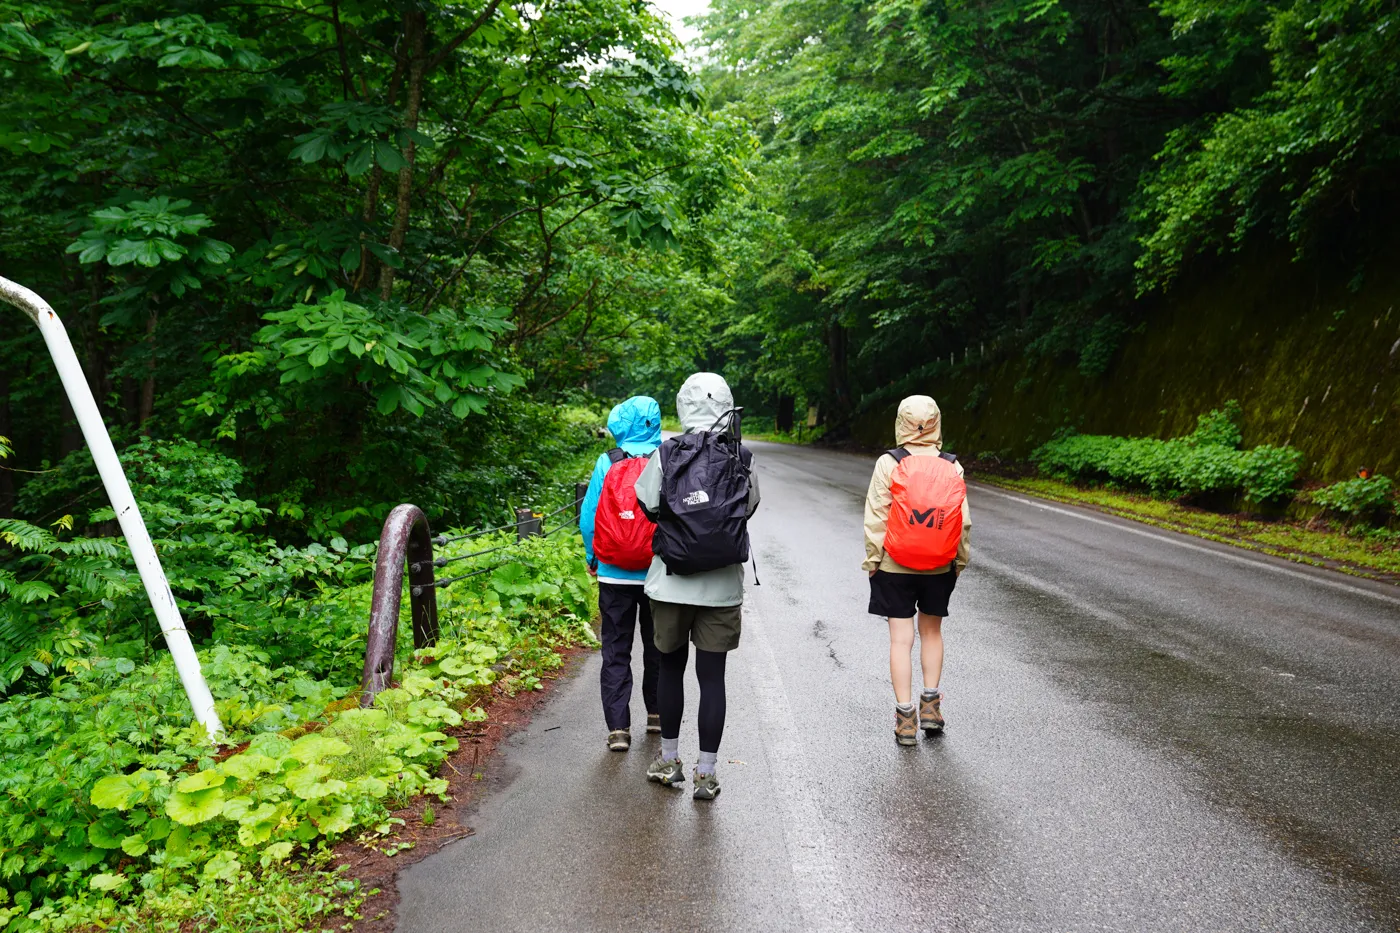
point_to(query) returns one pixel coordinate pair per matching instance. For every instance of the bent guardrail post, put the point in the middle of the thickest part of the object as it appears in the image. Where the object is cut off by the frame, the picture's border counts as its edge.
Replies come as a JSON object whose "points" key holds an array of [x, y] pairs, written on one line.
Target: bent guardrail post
{"points": [[405, 539], [70, 373]]}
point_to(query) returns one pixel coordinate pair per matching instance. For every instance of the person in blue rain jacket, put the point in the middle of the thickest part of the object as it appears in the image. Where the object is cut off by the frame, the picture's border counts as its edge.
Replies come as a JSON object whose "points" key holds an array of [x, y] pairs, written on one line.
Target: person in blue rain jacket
{"points": [[636, 426]]}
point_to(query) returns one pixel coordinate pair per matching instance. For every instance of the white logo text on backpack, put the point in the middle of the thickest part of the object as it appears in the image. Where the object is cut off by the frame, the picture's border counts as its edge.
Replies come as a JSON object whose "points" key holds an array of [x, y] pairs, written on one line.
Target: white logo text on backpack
{"points": [[627, 515], [698, 497]]}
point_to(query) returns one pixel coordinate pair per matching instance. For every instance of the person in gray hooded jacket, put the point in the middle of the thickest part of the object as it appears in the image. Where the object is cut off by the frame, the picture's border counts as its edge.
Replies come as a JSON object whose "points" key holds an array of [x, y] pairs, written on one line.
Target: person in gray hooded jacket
{"points": [[703, 608]]}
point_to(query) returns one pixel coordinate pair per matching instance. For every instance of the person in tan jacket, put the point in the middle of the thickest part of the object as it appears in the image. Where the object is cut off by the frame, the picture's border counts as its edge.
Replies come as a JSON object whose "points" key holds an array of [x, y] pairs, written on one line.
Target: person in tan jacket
{"points": [[896, 592]]}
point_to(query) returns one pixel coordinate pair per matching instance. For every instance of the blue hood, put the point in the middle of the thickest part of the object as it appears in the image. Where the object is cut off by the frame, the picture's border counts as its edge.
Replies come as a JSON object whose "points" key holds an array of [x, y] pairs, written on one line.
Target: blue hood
{"points": [[636, 425]]}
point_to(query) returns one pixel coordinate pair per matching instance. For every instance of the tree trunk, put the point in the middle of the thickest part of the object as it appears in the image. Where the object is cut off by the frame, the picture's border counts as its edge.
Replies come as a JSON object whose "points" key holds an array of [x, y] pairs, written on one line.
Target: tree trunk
{"points": [[416, 23], [148, 385], [836, 369], [7, 479], [376, 179], [786, 412]]}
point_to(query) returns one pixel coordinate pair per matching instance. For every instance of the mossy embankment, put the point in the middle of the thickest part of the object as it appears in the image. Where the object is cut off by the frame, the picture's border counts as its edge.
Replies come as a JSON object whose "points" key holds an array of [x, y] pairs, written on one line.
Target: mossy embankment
{"points": [[1313, 360]]}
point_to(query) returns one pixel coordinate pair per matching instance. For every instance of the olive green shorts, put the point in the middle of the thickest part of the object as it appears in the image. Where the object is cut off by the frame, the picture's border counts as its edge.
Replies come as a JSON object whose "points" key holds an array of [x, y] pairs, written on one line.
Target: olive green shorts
{"points": [[711, 628]]}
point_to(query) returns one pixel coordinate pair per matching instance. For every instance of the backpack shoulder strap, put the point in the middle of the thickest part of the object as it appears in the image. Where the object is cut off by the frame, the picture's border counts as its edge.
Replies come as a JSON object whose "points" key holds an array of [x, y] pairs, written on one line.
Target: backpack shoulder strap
{"points": [[617, 455], [951, 458], [899, 453]]}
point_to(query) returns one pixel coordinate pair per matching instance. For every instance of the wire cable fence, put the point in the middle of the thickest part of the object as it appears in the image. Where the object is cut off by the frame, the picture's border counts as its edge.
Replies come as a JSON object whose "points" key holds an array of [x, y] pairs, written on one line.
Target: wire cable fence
{"points": [[528, 525], [443, 561], [440, 540]]}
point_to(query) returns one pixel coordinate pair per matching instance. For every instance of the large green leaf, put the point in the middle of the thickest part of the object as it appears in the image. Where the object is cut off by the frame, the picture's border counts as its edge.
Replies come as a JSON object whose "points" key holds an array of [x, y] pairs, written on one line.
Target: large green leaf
{"points": [[202, 780], [190, 809]]}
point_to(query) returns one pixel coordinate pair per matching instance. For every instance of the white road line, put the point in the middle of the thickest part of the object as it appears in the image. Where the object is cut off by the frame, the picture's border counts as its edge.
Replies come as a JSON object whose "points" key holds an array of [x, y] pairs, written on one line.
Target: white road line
{"points": [[820, 891], [1170, 538]]}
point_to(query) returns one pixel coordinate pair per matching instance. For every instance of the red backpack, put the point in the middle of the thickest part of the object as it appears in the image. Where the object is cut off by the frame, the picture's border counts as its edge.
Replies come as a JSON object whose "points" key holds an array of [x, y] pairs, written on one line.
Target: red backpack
{"points": [[926, 499], [621, 533]]}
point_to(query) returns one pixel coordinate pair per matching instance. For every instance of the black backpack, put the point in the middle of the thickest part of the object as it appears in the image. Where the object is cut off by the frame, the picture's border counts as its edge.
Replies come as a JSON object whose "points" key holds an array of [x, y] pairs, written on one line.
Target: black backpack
{"points": [[701, 520]]}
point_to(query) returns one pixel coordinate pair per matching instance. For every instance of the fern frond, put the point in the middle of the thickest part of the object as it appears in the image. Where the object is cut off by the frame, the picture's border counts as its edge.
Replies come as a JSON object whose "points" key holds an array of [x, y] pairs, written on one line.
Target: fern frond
{"points": [[26, 537]]}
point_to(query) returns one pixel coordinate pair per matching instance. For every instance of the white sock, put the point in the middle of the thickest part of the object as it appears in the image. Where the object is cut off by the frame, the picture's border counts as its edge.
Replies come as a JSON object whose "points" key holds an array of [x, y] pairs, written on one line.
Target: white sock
{"points": [[707, 763], [670, 748]]}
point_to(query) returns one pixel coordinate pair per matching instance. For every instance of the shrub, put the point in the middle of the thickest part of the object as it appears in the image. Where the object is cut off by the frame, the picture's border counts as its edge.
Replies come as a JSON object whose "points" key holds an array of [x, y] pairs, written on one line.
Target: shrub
{"points": [[1204, 461], [113, 796], [1358, 498], [1268, 472], [1219, 426]]}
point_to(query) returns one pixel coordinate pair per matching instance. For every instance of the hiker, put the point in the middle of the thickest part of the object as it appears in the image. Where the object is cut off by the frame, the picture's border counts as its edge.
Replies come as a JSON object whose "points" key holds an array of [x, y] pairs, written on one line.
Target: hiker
{"points": [[917, 527], [617, 542], [700, 489]]}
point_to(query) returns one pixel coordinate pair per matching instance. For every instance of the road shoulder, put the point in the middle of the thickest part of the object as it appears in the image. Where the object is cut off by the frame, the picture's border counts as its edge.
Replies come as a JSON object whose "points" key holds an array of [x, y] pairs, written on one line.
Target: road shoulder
{"points": [[1290, 542]]}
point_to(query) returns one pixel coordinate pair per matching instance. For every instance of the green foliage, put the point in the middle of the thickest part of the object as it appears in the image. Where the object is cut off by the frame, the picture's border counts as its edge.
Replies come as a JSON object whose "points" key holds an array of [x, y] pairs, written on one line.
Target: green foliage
{"points": [[1360, 498], [133, 810], [255, 242], [1319, 131], [1205, 461], [939, 177], [401, 358], [146, 233], [231, 581], [1219, 427], [279, 898], [109, 734]]}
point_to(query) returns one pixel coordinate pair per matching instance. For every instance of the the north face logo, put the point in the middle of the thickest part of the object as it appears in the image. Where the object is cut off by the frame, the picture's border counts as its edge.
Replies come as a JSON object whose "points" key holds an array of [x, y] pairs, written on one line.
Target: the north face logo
{"points": [[628, 515], [698, 497]]}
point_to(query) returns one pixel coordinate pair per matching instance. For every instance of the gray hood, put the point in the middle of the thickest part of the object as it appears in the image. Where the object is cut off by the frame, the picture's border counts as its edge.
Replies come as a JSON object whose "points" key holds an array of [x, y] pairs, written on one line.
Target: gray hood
{"points": [[702, 401]]}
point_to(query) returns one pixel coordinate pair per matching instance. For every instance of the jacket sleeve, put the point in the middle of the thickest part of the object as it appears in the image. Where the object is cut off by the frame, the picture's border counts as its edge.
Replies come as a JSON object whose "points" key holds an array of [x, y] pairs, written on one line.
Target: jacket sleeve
{"points": [[965, 542], [648, 485], [877, 512], [587, 518]]}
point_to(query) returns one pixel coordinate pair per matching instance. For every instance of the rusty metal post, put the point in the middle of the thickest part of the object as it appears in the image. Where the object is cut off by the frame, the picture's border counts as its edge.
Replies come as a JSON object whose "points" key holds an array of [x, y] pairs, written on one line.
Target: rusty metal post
{"points": [[528, 523], [580, 490], [406, 538]]}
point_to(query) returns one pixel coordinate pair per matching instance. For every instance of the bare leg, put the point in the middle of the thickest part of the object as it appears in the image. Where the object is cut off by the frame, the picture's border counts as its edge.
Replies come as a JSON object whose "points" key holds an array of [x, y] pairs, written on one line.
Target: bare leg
{"points": [[901, 660], [930, 649]]}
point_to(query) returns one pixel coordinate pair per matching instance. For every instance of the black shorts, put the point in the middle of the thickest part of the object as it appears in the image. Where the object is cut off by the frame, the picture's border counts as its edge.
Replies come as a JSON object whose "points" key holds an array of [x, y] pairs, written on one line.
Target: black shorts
{"points": [[896, 595]]}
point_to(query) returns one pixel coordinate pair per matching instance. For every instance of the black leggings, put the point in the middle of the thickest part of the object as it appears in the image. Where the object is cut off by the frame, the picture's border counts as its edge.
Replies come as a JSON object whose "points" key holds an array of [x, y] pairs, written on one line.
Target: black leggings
{"points": [[670, 694]]}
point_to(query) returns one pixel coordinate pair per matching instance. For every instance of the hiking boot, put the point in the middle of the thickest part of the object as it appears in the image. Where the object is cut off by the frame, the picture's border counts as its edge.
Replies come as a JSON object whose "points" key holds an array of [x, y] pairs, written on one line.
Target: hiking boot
{"points": [[668, 772], [906, 727], [619, 740], [653, 722], [930, 713], [706, 786]]}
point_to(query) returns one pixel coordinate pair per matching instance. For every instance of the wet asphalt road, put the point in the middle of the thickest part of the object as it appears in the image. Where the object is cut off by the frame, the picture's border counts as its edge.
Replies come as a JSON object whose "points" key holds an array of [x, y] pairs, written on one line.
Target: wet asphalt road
{"points": [[1146, 733]]}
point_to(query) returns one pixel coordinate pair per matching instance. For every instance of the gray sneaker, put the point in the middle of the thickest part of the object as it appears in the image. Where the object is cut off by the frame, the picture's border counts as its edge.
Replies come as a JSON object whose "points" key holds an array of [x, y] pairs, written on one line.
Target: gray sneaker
{"points": [[666, 772], [619, 740], [653, 722], [706, 786]]}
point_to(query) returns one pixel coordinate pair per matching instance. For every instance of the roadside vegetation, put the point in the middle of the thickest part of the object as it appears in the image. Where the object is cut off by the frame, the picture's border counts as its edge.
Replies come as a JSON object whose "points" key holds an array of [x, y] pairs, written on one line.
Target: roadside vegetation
{"points": [[118, 811], [1204, 485]]}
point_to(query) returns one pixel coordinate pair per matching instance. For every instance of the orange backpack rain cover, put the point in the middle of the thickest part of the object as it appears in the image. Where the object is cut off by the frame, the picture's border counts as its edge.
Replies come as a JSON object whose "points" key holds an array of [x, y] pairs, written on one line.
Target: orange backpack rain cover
{"points": [[925, 522]]}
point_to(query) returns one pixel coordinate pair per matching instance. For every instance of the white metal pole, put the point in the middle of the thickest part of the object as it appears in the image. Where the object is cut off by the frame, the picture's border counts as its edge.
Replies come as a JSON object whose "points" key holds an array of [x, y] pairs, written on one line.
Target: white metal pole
{"points": [[128, 514]]}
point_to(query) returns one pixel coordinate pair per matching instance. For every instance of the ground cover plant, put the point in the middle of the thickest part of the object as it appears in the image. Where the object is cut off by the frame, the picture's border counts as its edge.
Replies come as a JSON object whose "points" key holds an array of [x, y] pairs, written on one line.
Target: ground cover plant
{"points": [[1365, 499], [1208, 460], [115, 802], [114, 807], [1346, 525]]}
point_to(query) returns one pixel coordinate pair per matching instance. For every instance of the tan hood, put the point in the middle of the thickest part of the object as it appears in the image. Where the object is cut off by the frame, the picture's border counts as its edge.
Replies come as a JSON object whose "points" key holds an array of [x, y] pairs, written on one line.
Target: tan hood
{"points": [[919, 423]]}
